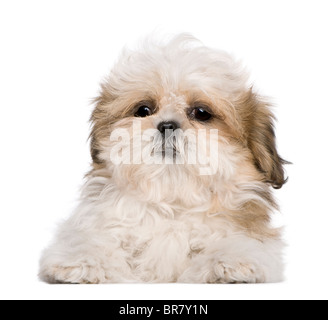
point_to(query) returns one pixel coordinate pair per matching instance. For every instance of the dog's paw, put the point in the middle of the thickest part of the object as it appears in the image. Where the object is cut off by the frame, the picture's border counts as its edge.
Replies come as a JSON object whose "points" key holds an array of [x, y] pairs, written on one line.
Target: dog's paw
{"points": [[75, 274], [224, 272], [235, 273]]}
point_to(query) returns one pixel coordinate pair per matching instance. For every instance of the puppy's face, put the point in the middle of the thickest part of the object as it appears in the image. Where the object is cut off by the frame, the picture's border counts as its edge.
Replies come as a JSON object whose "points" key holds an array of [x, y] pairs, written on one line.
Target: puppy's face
{"points": [[168, 111]]}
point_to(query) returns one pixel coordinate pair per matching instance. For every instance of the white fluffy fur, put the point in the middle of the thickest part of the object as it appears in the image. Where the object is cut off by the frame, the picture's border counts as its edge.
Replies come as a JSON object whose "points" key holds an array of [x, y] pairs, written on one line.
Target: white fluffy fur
{"points": [[160, 227]]}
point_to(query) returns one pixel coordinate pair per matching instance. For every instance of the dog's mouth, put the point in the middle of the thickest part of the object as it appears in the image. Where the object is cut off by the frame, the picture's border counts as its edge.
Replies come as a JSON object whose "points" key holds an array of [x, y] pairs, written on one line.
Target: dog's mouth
{"points": [[166, 151], [169, 151]]}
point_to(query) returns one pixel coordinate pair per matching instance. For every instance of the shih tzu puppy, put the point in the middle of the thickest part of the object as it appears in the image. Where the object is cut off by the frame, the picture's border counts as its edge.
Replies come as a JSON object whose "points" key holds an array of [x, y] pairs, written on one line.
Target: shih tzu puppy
{"points": [[184, 159]]}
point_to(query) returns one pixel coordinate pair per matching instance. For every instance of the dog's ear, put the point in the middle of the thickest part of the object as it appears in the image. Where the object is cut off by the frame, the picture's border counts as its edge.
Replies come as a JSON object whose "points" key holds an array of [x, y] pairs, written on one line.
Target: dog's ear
{"points": [[258, 124], [100, 120]]}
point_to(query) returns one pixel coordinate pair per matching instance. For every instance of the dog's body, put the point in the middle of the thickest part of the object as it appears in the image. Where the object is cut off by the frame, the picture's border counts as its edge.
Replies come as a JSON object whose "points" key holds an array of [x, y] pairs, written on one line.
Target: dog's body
{"points": [[157, 222]]}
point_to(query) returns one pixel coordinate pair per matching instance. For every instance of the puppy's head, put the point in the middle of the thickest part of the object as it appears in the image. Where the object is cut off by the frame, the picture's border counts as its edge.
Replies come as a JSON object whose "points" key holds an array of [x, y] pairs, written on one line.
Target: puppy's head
{"points": [[189, 106]]}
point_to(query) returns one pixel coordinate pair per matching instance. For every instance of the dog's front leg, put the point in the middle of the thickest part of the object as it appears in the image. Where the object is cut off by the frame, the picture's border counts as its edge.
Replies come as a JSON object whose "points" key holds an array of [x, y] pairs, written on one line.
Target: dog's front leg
{"points": [[85, 252], [237, 259]]}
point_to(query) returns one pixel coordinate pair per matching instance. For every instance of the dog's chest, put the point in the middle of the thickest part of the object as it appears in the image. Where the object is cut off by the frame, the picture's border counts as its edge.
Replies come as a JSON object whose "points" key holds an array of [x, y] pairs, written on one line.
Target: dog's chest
{"points": [[163, 249]]}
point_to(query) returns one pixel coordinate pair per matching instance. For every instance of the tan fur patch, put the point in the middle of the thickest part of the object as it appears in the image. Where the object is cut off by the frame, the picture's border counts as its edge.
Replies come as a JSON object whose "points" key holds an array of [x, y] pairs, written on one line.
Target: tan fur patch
{"points": [[258, 124]]}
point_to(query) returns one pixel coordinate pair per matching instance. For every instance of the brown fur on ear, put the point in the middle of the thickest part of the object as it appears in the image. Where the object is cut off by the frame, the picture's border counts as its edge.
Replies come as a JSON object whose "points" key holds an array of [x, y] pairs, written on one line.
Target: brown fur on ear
{"points": [[100, 120], [258, 125]]}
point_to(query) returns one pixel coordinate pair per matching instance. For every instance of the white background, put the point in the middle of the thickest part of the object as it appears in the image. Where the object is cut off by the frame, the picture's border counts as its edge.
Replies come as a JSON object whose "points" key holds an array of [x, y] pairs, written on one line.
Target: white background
{"points": [[53, 56]]}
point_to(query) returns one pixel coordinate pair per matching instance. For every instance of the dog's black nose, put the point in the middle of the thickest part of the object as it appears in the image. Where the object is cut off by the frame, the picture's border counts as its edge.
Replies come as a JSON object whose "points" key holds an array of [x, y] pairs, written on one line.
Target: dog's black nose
{"points": [[167, 125]]}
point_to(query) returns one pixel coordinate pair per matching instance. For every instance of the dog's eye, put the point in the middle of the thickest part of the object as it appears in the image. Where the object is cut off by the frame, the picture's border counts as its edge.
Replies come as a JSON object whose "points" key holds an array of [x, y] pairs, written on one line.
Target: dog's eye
{"points": [[201, 114], [144, 111]]}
